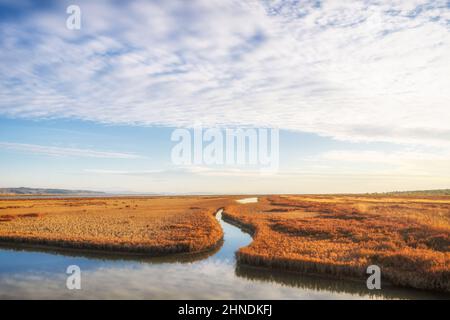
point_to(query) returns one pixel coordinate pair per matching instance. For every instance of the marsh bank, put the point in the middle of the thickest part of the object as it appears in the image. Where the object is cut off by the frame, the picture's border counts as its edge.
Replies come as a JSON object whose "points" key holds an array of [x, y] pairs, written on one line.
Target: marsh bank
{"points": [[31, 274]]}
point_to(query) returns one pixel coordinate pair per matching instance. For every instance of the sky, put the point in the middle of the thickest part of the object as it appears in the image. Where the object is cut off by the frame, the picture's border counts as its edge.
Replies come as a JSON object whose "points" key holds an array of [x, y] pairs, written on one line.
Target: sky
{"points": [[358, 90]]}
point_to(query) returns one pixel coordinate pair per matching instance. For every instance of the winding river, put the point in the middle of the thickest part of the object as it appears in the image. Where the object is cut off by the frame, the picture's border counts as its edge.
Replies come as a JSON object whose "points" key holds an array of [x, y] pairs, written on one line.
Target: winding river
{"points": [[35, 274]]}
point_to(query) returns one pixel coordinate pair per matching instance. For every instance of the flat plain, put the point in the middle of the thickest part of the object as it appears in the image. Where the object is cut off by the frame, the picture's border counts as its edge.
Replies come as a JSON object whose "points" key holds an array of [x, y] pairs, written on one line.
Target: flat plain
{"points": [[341, 235], [153, 225], [408, 236]]}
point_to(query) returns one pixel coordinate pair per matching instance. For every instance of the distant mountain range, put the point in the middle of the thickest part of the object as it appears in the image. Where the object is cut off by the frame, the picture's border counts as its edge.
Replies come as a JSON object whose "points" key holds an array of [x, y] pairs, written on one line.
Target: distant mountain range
{"points": [[43, 191], [38, 191]]}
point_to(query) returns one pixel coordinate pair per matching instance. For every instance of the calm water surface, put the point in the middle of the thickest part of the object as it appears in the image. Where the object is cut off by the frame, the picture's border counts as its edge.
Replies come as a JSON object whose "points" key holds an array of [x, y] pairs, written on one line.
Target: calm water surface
{"points": [[37, 274]]}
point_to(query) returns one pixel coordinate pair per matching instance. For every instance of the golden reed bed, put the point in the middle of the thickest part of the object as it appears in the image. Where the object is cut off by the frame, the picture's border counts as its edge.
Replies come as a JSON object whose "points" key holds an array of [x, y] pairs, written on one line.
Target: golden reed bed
{"points": [[409, 237], [153, 226]]}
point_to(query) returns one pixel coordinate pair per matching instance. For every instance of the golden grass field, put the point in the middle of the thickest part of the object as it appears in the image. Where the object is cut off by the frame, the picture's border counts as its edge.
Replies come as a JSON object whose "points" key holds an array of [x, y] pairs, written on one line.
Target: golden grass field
{"points": [[408, 237], [340, 235], [155, 226]]}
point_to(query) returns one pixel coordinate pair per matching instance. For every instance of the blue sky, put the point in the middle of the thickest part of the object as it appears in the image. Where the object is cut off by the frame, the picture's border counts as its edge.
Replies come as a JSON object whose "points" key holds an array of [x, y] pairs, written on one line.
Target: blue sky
{"points": [[358, 90]]}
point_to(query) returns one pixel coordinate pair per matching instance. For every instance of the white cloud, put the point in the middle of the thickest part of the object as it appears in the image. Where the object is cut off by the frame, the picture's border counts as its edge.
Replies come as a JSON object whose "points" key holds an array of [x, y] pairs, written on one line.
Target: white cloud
{"points": [[124, 172], [352, 70], [406, 163], [193, 169], [397, 157], [65, 152]]}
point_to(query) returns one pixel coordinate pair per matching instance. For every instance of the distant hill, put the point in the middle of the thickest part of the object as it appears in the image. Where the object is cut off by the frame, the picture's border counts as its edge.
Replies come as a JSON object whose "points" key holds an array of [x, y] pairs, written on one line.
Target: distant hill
{"points": [[38, 191], [438, 192]]}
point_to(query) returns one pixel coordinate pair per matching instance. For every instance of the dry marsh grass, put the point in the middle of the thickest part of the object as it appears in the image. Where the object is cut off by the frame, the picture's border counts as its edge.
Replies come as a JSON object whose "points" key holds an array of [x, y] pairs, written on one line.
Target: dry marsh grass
{"points": [[408, 237], [340, 235], [154, 226]]}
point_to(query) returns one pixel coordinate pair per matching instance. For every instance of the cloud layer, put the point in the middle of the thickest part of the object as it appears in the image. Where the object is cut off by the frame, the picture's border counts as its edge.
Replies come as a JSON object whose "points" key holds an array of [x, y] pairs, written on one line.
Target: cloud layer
{"points": [[351, 70], [65, 152]]}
